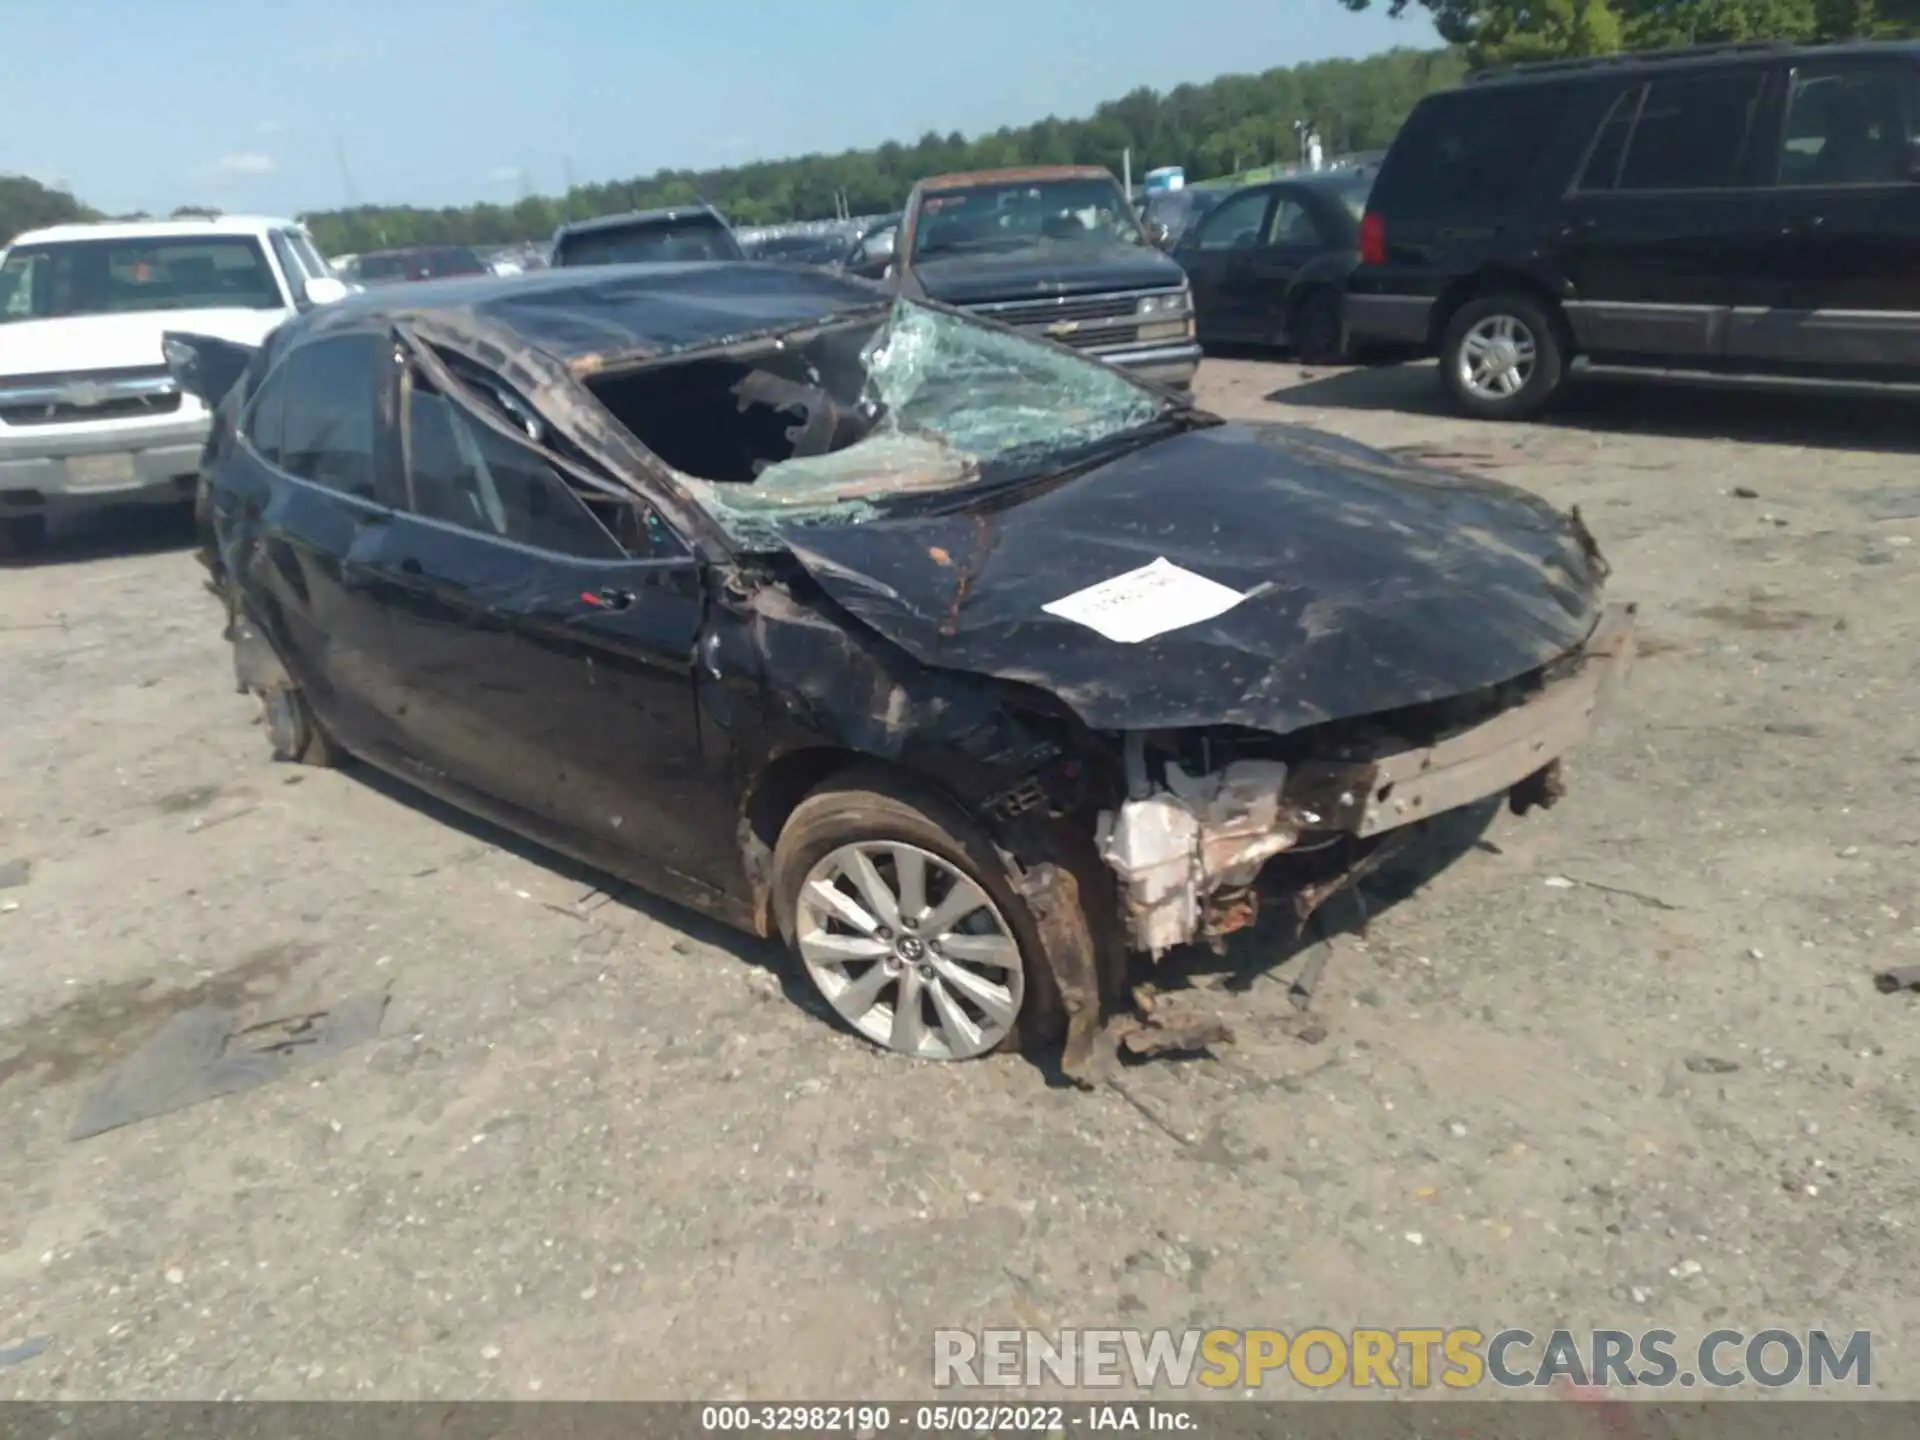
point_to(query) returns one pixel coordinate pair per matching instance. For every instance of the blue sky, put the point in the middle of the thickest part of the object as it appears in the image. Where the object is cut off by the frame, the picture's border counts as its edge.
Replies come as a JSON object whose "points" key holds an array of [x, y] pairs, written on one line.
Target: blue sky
{"points": [[138, 105]]}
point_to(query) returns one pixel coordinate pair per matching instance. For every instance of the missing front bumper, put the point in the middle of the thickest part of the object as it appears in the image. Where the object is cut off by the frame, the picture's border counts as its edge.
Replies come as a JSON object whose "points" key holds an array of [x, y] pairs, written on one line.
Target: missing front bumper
{"points": [[1187, 851]]}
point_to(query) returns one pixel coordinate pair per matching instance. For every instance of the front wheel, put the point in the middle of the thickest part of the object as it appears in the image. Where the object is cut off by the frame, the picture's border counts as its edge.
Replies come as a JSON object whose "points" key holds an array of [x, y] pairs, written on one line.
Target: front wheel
{"points": [[1502, 357], [909, 925]]}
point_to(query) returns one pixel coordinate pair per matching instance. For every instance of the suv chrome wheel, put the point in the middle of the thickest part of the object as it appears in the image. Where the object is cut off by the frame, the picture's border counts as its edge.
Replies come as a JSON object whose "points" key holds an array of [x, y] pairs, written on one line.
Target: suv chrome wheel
{"points": [[1496, 358], [911, 952]]}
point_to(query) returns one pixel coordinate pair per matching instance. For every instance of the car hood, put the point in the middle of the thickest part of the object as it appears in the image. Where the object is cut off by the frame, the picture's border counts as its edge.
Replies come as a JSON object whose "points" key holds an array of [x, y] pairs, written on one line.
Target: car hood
{"points": [[1043, 271], [119, 342], [1369, 583]]}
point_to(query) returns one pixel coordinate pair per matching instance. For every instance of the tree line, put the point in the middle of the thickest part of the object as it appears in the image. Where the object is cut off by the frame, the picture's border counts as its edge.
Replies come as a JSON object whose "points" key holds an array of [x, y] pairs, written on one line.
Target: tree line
{"points": [[1226, 125]]}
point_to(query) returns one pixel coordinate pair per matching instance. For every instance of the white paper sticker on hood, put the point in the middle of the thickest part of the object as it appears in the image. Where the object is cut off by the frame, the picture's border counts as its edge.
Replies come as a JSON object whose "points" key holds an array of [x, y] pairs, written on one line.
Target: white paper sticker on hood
{"points": [[1146, 602]]}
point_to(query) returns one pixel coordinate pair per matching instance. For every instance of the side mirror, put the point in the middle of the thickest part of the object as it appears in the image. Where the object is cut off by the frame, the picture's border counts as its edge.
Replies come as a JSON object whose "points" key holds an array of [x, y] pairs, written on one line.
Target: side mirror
{"points": [[324, 290], [878, 249], [1159, 233]]}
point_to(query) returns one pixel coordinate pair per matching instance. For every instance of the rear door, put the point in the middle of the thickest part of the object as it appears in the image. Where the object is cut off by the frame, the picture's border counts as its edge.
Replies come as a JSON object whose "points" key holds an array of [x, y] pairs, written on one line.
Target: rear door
{"points": [[308, 512], [1663, 234], [1845, 223], [550, 667], [1296, 234], [1218, 256]]}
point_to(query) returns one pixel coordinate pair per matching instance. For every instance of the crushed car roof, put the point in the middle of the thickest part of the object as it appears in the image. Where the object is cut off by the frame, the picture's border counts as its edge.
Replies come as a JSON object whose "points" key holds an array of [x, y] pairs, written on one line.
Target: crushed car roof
{"points": [[596, 315]]}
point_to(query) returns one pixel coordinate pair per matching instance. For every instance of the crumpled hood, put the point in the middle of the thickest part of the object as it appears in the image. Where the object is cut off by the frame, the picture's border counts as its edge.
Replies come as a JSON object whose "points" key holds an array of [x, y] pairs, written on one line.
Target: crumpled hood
{"points": [[119, 342], [1371, 583], [1044, 271]]}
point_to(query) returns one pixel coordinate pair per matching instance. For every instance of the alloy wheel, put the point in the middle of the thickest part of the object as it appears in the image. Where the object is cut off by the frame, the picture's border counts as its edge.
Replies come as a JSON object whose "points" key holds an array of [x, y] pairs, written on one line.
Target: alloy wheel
{"points": [[909, 950], [1497, 357]]}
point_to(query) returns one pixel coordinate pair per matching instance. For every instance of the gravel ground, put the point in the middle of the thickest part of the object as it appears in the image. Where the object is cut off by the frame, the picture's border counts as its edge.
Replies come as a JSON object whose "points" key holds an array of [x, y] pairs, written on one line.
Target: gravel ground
{"points": [[1620, 1064]]}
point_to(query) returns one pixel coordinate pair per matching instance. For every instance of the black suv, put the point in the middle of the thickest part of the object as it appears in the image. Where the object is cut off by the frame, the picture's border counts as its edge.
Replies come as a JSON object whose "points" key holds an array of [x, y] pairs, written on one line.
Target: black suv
{"points": [[686, 232], [1748, 210]]}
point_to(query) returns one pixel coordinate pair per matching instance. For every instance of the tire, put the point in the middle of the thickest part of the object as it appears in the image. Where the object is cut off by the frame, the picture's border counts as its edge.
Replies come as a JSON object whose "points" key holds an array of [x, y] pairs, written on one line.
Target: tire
{"points": [[295, 732], [1506, 317], [882, 811], [23, 535], [1317, 326]]}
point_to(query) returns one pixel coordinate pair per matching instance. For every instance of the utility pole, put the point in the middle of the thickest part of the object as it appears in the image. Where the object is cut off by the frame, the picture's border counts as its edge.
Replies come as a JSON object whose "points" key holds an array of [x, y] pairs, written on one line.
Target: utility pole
{"points": [[566, 201], [346, 175], [1126, 172]]}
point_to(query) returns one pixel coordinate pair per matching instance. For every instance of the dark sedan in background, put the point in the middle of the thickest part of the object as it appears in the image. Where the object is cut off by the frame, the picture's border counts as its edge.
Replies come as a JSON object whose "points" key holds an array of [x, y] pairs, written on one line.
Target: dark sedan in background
{"points": [[1269, 264], [416, 262]]}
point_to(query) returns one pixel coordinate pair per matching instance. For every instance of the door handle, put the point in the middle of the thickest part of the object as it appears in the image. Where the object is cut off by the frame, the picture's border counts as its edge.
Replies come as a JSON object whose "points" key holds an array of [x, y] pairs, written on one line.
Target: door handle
{"points": [[608, 599]]}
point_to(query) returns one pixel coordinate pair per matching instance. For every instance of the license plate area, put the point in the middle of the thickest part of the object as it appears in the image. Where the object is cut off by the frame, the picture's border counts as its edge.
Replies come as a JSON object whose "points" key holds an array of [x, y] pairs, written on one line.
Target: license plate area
{"points": [[114, 471]]}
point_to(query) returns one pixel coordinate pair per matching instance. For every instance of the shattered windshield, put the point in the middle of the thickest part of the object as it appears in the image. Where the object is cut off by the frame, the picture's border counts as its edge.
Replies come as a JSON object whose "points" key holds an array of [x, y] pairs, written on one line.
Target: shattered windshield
{"points": [[836, 425], [1088, 211]]}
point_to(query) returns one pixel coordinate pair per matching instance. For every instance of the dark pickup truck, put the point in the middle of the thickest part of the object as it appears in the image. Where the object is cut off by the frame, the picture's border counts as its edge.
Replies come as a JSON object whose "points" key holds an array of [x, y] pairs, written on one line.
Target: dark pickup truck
{"points": [[1057, 250], [684, 232]]}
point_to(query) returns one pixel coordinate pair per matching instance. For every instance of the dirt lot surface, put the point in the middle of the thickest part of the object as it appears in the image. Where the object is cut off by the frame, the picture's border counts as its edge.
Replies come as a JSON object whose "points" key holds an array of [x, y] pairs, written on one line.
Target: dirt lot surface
{"points": [[1619, 1064]]}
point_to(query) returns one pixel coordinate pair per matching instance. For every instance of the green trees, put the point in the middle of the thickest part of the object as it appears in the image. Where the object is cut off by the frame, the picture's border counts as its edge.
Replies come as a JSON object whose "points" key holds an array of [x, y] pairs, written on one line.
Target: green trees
{"points": [[1498, 32], [27, 205]]}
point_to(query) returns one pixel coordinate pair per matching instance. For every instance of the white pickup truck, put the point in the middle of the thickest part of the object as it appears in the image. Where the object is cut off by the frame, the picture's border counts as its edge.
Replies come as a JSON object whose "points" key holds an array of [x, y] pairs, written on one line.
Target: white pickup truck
{"points": [[89, 415]]}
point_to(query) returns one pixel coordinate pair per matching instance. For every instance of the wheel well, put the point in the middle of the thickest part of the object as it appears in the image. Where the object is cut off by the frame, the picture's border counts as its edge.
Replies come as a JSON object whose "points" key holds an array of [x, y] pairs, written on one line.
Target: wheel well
{"points": [[1492, 282], [786, 781]]}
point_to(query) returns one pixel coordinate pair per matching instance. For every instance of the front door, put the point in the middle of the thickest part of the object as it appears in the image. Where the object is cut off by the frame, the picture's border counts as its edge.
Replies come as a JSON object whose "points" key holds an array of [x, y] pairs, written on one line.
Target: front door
{"points": [[1218, 256], [550, 670], [1663, 235]]}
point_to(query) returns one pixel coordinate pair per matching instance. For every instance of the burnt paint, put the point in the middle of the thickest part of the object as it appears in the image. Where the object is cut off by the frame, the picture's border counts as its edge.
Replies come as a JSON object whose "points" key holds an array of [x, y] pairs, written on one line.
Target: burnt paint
{"points": [[1373, 583]]}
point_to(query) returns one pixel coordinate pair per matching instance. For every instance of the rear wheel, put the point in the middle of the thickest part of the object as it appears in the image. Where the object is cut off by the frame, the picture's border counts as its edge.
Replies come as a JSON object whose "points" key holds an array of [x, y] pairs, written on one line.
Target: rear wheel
{"points": [[909, 924], [23, 534], [1318, 327], [294, 731], [1502, 357]]}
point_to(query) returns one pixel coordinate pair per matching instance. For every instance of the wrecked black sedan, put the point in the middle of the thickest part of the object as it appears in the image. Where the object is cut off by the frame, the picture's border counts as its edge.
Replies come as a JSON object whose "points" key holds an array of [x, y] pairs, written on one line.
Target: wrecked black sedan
{"points": [[969, 666]]}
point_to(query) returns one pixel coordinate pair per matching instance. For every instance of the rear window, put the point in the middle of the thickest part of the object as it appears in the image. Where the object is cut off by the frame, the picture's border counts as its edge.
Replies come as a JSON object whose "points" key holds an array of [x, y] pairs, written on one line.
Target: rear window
{"points": [[1469, 148], [695, 237], [114, 277]]}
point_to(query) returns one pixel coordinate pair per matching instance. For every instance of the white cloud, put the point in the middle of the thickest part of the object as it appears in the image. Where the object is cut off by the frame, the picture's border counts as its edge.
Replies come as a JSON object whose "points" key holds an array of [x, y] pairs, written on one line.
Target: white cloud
{"points": [[249, 162], [501, 174]]}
